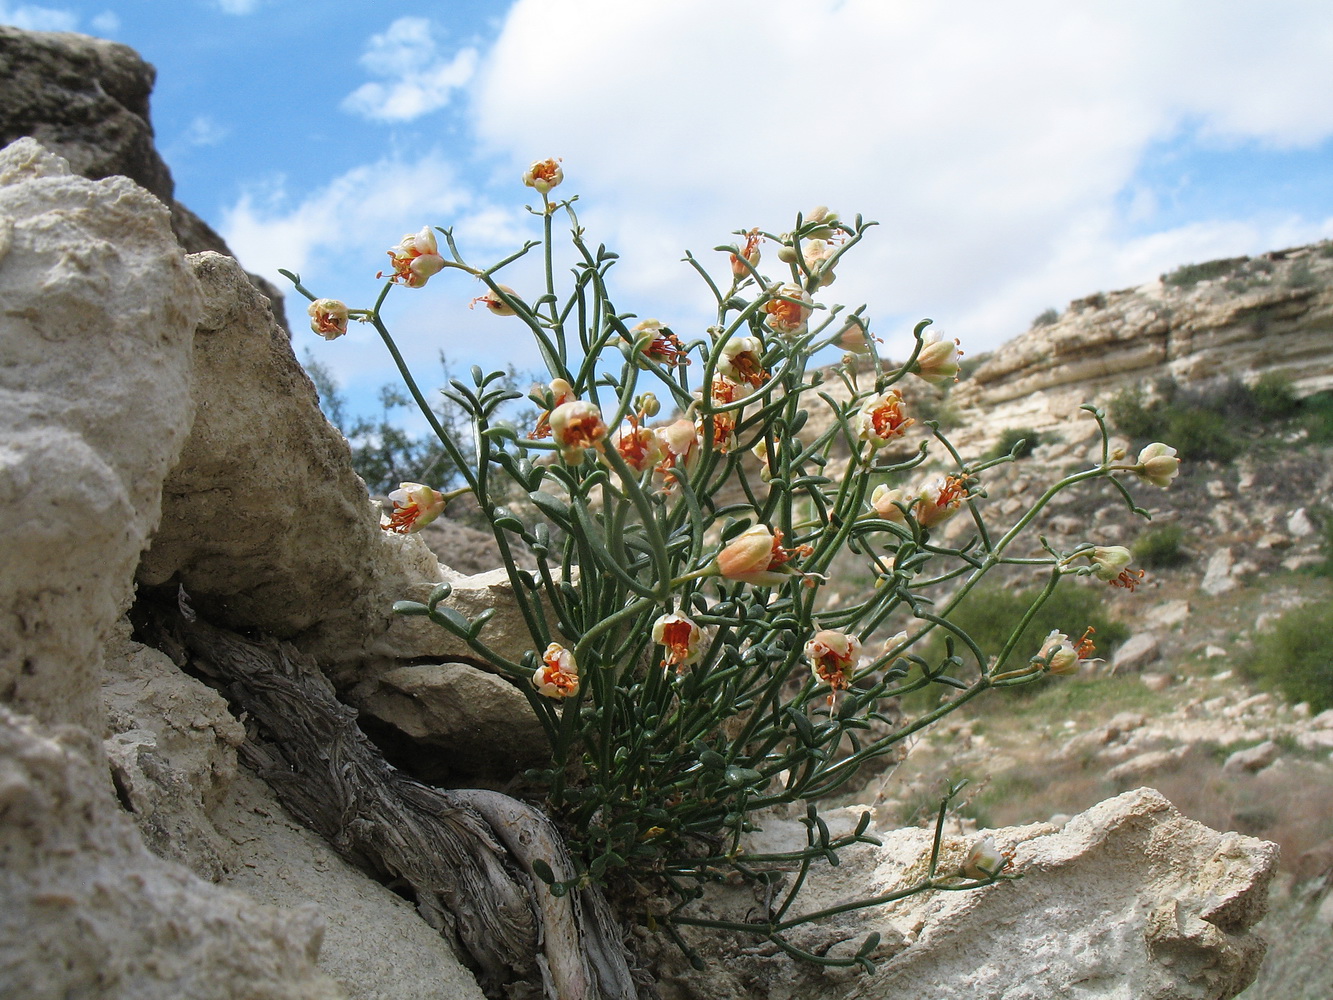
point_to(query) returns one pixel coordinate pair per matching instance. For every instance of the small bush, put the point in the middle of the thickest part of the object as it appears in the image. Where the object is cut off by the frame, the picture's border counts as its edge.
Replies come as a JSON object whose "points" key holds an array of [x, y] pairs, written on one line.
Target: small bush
{"points": [[1295, 656], [1199, 436], [1273, 396], [1046, 317], [991, 613], [1131, 417], [1316, 417], [1159, 548], [1191, 274], [1029, 438]]}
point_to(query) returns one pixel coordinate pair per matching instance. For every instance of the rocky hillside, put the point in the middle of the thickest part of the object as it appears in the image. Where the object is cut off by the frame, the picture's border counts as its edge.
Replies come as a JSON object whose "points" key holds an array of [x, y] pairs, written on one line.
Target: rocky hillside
{"points": [[1243, 317]]}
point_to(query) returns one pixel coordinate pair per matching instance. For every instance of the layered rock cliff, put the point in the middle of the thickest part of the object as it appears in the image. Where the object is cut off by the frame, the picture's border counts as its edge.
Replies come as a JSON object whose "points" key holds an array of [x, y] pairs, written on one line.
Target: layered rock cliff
{"points": [[1243, 317]]}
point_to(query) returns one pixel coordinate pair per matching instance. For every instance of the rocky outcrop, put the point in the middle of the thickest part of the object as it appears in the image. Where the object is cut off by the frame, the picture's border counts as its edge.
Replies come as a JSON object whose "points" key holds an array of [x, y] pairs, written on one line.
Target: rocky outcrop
{"points": [[95, 381], [86, 99], [1129, 899], [1272, 313]]}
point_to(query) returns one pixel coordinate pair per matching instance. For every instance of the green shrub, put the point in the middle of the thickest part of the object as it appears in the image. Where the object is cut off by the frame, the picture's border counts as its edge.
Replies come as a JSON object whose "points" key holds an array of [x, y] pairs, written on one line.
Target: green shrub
{"points": [[1200, 435], [1273, 396], [1316, 417], [1046, 317], [990, 614], [1159, 548], [1130, 416], [1191, 274], [1026, 435], [1295, 655]]}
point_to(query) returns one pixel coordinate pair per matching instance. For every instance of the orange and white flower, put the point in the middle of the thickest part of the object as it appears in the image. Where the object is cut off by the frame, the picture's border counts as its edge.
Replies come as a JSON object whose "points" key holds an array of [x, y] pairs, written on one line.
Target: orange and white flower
{"points": [[544, 175], [985, 860], [575, 427], [1158, 464], [750, 253], [938, 361], [328, 318], [789, 310], [857, 338], [680, 447], [886, 502], [940, 500], [756, 556], [881, 418], [742, 360], [561, 392], [817, 254], [823, 219], [415, 259], [681, 638], [1110, 563], [1060, 656], [558, 675], [494, 304], [639, 446], [657, 343], [412, 507], [724, 391], [833, 657]]}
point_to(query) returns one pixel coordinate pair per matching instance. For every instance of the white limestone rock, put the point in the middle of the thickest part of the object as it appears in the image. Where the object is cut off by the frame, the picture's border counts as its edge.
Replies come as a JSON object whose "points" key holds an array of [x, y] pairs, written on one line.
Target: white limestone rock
{"points": [[90, 912], [1129, 900], [95, 378]]}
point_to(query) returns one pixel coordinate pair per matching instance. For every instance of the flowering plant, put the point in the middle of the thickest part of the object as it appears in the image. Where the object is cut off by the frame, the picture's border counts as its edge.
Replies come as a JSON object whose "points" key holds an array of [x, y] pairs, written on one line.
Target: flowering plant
{"points": [[686, 663]]}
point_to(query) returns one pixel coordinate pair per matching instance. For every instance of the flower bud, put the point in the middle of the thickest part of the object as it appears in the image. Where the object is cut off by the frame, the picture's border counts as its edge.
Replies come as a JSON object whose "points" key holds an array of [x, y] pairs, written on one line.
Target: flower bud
{"points": [[756, 556], [1158, 464], [648, 405], [937, 362], [886, 502], [328, 318], [985, 860]]}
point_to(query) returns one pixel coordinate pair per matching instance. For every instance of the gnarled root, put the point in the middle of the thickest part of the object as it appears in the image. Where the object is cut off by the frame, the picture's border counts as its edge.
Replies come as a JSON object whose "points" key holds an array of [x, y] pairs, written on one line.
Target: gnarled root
{"points": [[466, 854]]}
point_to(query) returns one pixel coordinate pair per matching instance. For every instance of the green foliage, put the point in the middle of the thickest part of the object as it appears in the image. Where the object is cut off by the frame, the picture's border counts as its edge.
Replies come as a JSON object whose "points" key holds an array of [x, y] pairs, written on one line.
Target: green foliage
{"points": [[1218, 420], [991, 614], [1046, 317], [1025, 437], [1191, 274], [1274, 398], [1294, 656], [1316, 417], [1159, 548], [682, 661]]}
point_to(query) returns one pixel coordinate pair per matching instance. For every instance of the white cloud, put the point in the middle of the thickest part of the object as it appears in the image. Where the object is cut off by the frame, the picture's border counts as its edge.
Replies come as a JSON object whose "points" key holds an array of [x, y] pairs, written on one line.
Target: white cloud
{"points": [[991, 140], [204, 130], [106, 23], [31, 17], [238, 7], [418, 79]]}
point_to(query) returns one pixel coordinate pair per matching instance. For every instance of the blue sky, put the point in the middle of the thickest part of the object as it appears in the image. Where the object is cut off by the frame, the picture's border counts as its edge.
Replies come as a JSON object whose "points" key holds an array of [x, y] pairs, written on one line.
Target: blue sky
{"points": [[1017, 155]]}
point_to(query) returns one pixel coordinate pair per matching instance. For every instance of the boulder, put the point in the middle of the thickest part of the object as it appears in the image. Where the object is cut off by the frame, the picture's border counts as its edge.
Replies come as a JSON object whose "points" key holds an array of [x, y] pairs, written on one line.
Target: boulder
{"points": [[95, 405], [86, 99], [1252, 759], [1128, 899], [1137, 652]]}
